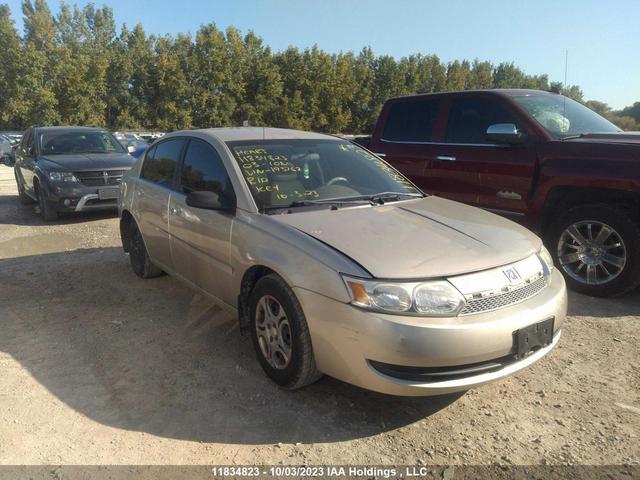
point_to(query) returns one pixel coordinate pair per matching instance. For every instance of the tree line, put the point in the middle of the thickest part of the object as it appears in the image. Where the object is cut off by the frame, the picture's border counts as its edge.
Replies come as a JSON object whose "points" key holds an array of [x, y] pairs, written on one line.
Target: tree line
{"points": [[76, 68]]}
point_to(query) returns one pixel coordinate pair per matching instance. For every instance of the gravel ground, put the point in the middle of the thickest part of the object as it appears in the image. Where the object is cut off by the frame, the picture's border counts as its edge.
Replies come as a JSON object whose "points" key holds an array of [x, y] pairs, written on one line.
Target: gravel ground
{"points": [[100, 367]]}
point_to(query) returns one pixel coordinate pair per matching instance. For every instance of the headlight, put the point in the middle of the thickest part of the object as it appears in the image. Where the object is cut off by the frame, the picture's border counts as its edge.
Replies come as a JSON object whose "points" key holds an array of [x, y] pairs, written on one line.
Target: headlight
{"points": [[62, 177], [546, 259], [434, 299]]}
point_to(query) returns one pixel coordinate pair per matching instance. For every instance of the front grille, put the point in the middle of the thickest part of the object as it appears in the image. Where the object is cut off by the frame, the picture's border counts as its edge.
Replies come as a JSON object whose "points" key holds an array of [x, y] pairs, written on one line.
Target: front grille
{"points": [[98, 178], [495, 302]]}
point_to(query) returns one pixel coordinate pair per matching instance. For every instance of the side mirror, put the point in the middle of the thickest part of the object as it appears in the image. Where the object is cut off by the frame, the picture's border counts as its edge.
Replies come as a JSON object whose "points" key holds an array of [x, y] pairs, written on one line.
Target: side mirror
{"points": [[208, 201], [505, 133]]}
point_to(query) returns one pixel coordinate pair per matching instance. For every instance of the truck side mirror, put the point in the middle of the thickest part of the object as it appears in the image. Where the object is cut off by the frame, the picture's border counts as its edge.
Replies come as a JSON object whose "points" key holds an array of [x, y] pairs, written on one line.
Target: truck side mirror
{"points": [[505, 133]]}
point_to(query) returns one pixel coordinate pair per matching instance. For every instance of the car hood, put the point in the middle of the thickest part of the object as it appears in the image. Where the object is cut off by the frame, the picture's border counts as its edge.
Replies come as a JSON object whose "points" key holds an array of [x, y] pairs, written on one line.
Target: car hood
{"points": [[632, 138], [91, 161], [430, 237]]}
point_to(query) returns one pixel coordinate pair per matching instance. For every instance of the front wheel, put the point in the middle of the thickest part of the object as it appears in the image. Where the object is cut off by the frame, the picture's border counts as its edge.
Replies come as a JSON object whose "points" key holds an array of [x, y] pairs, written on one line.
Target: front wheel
{"points": [[46, 210], [597, 249], [280, 334]]}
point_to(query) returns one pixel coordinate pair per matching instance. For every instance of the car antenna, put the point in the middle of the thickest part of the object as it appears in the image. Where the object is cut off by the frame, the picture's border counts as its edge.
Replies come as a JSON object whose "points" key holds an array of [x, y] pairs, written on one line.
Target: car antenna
{"points": [[564, 96]]}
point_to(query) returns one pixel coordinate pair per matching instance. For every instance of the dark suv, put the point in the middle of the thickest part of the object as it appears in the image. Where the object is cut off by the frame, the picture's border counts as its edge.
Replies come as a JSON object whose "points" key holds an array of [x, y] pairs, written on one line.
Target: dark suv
{"points": [[70, 169]]}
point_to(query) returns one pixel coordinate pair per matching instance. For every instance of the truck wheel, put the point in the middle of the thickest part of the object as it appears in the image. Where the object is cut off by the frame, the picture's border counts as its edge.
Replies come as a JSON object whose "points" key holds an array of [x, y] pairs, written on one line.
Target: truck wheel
{"points": [[22, 195], [280, 334], [597, 249], [46, 210], [141, 263]]}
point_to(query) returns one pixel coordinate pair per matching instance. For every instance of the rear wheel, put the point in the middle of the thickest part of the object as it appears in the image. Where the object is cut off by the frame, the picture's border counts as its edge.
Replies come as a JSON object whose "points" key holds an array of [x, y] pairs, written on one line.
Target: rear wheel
{"points": [[141, 263], [597, 249], [280, 334]]}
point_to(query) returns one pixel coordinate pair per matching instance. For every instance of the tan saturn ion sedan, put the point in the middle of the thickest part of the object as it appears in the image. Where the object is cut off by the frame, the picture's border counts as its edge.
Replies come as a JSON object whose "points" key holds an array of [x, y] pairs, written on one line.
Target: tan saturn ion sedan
{"points": [[337, 264]]}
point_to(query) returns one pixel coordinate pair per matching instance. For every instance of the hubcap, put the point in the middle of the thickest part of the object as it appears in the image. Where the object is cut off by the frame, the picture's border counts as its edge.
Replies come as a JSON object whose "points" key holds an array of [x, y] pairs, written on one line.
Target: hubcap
{"points": [[274, 332], [592, 252]]}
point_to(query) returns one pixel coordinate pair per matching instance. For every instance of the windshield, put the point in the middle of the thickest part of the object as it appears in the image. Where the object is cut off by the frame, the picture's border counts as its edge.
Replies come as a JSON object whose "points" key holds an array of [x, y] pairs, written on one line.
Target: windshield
{"points": [[281, 173], [70, 142], [563, 117]]}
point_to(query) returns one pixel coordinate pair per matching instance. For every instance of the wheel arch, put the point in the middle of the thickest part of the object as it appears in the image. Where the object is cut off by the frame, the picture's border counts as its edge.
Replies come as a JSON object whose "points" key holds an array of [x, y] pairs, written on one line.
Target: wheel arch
{"points": [[562, 198], [249, 280]]}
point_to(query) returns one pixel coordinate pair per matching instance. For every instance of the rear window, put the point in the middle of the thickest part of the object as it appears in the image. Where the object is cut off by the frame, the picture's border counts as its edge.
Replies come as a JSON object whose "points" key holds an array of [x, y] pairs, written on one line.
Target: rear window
{"points": [[411, 121]]}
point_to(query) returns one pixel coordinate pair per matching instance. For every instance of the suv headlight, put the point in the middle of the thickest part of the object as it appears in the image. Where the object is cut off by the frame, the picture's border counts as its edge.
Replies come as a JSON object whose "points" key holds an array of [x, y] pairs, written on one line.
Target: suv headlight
{"points": [[547, 259], [433, 298], [62, 177]]}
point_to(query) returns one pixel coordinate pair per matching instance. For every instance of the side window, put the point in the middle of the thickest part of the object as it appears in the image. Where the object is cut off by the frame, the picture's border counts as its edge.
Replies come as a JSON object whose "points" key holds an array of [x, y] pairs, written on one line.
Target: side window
{"points": [[203, 170], [160, 164], [411, 121], [469, 119], [27, 142]]}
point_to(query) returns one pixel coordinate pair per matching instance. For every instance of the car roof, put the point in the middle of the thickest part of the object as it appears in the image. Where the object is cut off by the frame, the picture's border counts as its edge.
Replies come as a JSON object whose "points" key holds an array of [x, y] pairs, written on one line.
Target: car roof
{"points": [[77, 129], [507, 92], [230, 134]]}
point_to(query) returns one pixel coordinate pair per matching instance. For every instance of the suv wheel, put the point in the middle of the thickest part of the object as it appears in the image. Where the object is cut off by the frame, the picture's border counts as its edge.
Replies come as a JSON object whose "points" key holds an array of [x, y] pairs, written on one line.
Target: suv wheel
{"points": [[141, 263], [46, 210], [280, 334], [597, 249]]}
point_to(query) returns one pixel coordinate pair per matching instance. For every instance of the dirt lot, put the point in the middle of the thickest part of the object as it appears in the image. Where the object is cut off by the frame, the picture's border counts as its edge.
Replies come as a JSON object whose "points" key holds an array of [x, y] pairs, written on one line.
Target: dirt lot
{"points": [[100, 367]]}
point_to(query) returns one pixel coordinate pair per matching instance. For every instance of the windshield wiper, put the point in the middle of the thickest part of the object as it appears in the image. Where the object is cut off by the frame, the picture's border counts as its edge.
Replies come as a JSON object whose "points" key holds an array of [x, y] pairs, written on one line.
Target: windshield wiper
{"points": [[381, 197]]}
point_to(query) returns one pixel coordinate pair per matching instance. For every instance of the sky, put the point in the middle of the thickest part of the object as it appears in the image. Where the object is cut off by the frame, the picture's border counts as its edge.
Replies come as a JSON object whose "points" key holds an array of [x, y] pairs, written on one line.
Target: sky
{"points": [[602, 37]]}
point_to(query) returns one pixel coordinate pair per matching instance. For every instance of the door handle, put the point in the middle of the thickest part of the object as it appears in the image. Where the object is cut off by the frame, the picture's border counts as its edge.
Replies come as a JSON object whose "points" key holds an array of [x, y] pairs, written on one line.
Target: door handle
{"points": [[446, 158], [175, 210]]}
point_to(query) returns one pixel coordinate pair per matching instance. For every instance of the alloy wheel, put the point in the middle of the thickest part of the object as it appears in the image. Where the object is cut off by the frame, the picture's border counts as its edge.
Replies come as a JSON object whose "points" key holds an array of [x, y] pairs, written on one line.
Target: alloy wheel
{"points": [[274, 332], [592, 252]]}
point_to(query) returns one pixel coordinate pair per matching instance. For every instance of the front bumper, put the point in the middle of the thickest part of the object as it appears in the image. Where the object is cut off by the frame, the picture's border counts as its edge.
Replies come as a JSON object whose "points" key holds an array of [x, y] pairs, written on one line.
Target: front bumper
{"points": [[347, 339], [78, 198]]}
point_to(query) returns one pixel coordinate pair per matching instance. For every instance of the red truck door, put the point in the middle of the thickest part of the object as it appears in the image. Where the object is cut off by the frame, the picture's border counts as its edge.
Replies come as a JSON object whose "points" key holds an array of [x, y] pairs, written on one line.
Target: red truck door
{"points": [[470, 168], [404, 134]]}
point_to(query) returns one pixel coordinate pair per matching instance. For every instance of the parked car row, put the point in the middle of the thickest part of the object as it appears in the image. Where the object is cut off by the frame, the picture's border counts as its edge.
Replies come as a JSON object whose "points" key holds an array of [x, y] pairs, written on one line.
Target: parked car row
{"points": [[338, 262]]}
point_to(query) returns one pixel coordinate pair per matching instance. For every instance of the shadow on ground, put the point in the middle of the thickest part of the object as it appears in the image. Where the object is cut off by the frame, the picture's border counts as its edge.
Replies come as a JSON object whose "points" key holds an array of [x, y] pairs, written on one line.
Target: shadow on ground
{"points": [[152, 356]]}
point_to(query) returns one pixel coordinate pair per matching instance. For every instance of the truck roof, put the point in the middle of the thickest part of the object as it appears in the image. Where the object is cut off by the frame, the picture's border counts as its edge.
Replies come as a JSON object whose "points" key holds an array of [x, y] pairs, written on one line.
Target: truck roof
{"points": [[507, 92]]}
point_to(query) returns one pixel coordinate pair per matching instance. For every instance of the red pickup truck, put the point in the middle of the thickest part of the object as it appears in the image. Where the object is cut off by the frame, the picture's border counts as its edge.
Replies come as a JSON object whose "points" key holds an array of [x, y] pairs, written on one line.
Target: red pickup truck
{"points": [[538, 157]]}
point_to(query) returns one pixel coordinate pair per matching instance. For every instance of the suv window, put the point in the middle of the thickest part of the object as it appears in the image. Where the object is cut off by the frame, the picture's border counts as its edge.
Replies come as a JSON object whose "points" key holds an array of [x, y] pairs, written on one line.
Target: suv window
{"points": [[160, 163], [203, 169], [470, 118], [411, 121], [27, 142]]}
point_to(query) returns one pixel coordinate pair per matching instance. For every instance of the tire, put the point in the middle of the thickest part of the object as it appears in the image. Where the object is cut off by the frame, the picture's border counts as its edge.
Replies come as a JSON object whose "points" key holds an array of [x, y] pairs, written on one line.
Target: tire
{"points": [[22, 195], [300, 370], [141, 263], [46, 210], [600, 268]]}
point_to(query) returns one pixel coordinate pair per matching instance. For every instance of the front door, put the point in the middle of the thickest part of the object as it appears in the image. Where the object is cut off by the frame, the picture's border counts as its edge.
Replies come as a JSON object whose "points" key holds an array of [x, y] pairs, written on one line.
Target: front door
{"points": [[200, 238], [469, 168]]}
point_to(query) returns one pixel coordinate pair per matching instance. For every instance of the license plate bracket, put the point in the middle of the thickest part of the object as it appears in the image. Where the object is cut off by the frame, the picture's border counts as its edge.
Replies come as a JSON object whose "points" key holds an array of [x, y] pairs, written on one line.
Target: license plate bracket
{"points": [[109, 193], [533, 337]]}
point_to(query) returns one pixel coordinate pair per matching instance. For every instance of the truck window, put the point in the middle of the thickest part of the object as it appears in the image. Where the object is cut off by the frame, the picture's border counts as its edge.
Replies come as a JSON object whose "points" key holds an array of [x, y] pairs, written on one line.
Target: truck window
{"points": [[469, 119], [411, 121]]}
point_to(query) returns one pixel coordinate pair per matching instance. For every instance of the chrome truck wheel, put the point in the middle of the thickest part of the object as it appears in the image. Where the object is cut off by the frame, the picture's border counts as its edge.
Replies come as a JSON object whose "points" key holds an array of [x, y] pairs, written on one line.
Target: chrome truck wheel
{"points": [[592, 252]]}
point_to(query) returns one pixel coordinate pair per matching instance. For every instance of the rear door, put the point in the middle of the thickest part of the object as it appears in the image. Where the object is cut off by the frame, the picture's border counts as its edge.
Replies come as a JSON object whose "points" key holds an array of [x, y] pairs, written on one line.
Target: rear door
{"points": [[151, 200], [472, 169], [200, 239], [406, 136]]}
